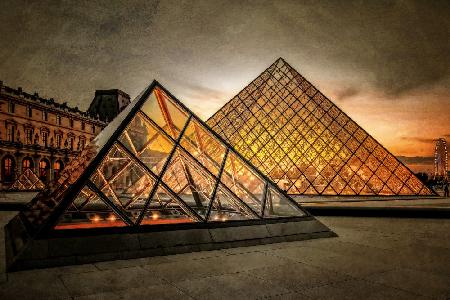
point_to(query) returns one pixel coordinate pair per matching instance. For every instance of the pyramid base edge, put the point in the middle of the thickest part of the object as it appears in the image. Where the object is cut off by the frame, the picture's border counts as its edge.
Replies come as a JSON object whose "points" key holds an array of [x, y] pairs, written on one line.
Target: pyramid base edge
{"points": [[60, 251]]}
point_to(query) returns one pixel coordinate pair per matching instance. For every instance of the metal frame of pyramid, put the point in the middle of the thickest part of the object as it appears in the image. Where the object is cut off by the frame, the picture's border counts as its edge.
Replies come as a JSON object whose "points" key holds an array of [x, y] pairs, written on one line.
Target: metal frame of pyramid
{"points": [[301, 140], [157, 164], [27, 181]]}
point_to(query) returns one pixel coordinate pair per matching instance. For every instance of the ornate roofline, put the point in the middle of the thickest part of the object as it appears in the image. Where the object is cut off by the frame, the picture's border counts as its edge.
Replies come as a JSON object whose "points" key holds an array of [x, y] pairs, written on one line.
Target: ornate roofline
{"points": [[49, 104]]}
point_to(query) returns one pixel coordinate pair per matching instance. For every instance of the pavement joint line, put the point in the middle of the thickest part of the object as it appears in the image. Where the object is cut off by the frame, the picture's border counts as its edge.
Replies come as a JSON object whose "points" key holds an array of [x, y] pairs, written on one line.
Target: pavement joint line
{"points": [[369, 282], [311, 286], [64, 285], [105, 291], [354, 243], [178, 288], [392, 287], [278, 295], [278, 256]]}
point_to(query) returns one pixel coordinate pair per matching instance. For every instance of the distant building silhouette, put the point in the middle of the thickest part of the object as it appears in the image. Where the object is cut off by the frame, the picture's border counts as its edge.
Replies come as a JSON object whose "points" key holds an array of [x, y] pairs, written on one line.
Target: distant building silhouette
{"points": [[107, 104]]}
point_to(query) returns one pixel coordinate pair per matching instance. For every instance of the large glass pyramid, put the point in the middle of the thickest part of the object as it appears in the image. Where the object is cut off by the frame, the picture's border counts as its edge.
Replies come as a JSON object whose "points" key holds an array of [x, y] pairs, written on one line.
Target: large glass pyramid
{"points": [[303, 142], [157, 163]]}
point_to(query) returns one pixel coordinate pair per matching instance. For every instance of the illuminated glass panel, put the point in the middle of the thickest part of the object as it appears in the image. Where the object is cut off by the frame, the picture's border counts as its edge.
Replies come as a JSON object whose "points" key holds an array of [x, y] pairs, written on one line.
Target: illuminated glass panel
{"points": [[28, 180], [147, 143], [190, 182], [203, 146], [278, 205], [244, 182], [157, 164], [288, 123], [88, 210], [227, 206], [165, 208]]}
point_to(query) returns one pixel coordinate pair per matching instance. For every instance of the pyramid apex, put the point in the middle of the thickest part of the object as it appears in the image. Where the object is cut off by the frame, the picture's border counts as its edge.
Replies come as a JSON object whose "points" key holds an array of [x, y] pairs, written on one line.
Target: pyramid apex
{"points": [[279, 62], [281, 98]]}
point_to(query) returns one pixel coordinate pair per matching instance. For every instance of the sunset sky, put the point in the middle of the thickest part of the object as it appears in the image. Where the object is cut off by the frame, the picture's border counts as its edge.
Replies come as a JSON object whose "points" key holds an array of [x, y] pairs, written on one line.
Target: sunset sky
{"points": [[385, 63]]}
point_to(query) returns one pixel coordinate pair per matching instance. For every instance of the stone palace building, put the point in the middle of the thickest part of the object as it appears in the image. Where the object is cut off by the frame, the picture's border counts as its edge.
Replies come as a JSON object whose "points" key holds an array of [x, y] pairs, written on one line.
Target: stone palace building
{"points": [[43, 135]]}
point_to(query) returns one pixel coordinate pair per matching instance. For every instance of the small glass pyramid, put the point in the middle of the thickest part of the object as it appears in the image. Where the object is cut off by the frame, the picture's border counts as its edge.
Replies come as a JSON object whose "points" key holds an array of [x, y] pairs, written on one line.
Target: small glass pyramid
{"points": [[27, 181], [158, 163], [302, 141]]}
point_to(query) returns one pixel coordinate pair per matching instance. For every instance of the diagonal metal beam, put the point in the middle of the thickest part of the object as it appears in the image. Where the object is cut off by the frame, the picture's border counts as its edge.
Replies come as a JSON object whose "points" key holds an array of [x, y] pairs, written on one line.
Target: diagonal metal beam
{"points": [[105, 199], [213, 194], [165, 111]]}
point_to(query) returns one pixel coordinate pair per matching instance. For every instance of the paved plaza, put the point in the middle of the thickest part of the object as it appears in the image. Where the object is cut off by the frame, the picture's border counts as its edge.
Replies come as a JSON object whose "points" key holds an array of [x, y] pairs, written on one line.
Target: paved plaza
{"points": [[373, 258]]}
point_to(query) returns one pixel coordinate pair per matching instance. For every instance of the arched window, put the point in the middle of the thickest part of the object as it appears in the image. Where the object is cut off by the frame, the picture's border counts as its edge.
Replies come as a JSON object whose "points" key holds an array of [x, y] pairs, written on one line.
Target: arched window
{"points": [[8, 166], [27, 163], [44, 166], [58, 166]]}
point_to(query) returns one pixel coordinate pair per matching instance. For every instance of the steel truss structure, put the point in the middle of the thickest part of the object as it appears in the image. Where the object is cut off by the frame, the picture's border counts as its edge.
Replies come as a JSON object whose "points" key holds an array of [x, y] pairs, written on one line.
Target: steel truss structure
{"points": [[157, 163], [307, 145], [27, 181]]}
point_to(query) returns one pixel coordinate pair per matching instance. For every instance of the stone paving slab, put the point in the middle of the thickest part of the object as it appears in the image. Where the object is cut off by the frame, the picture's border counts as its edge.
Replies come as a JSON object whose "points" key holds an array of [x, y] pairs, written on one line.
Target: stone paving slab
{"points": [[420, 282], [229, 286], [162, 291], [358, 289], [297, 276], [373, 258], [108, 280]]}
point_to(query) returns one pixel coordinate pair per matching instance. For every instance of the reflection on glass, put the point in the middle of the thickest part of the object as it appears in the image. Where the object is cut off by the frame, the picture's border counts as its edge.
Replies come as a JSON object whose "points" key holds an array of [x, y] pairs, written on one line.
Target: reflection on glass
{"points": [[155, 173], [89, 211], [226, 207], [244, 182], [193, 185], [278, 205], [203, 146], [147, 143], [164, 208]]}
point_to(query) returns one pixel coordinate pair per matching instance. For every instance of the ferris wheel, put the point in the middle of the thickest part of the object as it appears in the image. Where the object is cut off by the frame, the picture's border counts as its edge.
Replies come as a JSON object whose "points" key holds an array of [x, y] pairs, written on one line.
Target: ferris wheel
{"points": [[440, 159]]}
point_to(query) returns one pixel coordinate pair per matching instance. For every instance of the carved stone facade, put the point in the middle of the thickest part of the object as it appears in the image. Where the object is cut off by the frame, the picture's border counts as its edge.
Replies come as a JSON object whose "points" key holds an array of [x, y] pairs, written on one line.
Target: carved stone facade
{"points": [[41, 134]]}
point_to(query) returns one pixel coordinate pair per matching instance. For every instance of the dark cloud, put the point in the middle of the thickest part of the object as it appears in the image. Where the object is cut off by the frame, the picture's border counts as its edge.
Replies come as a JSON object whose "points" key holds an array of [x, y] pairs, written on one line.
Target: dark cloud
{"points": [[419, 139], [345, 93], [67, 50], [416, 160]]}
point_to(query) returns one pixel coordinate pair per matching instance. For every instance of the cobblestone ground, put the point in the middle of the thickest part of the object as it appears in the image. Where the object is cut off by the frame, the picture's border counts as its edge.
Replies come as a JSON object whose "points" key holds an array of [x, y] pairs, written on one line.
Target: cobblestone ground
{"points": [[373, 258]]}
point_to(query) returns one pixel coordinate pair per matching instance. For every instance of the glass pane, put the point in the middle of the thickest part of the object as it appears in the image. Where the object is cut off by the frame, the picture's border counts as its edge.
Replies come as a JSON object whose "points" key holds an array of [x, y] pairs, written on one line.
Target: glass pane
{"points": [[88, 211], [113, 163], [164, 208], [177, 115], [278, 205], [314, 128], [193, 185], [147, 143], [244, 182], [227, 207], [164, 112], [152, 109], [137, 134], [203, 146], [27, 181], [128, 187]]}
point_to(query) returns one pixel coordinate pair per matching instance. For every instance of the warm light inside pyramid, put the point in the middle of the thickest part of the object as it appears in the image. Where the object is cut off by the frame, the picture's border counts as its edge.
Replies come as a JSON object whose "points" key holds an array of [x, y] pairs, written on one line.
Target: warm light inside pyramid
{"points": [[306, 144], [27, 181], [159, 164]]}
